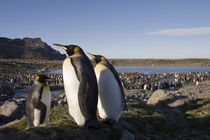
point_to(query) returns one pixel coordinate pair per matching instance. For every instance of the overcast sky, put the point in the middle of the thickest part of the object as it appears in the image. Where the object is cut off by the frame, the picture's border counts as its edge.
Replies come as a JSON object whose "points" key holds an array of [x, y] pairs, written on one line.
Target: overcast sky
{"points": [[114, 28]]}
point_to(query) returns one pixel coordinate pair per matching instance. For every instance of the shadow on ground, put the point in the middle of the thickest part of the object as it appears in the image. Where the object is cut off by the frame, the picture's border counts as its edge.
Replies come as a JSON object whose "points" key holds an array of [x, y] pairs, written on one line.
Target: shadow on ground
{"points": [[188, 121]]}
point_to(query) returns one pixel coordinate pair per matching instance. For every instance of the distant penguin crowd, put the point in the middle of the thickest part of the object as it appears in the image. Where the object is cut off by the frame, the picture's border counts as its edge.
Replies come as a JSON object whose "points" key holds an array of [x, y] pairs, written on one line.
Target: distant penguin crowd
{"points": [[86, 88]]}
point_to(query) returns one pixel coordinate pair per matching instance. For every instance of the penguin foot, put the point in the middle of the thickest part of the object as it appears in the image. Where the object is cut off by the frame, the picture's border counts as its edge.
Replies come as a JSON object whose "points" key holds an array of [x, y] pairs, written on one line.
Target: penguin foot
{"points": [[43, 125], [91, 124], [109, 121]]}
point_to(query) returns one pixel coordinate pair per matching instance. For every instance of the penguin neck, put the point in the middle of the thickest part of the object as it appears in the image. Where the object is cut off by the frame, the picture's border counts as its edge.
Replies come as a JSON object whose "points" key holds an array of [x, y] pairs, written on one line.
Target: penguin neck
{"points": [[105, 62], [38, 83], [79, 54]]}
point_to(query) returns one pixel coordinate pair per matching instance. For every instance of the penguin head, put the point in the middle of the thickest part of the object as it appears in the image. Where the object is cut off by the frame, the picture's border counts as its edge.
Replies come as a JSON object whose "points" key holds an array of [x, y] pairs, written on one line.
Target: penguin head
{"points": [[70, 49], [42, 78], [97, 58]]}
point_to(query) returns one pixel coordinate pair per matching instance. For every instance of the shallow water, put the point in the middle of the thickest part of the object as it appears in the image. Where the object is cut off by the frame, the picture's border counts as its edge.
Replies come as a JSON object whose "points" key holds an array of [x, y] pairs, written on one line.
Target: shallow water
{"points": [[155, 69], [22, 93]]}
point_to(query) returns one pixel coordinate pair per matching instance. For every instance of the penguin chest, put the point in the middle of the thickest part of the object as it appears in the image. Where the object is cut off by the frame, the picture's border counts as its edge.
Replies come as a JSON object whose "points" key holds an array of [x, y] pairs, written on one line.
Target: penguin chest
{"points": [[71, 86], [46, 96], [110, 98], [45, 99]]}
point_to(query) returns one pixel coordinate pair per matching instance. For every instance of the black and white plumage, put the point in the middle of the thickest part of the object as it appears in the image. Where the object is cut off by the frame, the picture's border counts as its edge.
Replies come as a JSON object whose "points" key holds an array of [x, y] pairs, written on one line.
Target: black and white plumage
{"points": [[111, 99], [80, 86], [38, 102]]}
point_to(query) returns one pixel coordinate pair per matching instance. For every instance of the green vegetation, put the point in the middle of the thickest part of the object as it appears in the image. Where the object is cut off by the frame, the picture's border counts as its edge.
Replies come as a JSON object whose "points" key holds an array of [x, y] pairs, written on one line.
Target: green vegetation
{"points": [[146, 119], [20, 125], [141, 120]]}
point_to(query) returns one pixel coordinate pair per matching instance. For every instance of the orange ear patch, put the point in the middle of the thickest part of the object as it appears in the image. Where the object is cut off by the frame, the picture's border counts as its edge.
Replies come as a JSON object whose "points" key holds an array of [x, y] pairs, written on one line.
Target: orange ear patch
{"points": [[76, 50], [102, 58], [37, 78]]}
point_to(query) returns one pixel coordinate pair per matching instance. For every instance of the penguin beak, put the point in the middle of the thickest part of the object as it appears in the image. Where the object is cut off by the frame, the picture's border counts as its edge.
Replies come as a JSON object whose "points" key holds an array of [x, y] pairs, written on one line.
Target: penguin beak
{"points": [[61, 46], [93, 56]]}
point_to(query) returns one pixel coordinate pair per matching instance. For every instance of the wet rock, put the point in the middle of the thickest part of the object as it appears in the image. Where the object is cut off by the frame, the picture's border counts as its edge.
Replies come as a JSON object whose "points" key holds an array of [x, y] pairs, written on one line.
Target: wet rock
{"points": [[158, 95], [6, 91], [126, 135]]}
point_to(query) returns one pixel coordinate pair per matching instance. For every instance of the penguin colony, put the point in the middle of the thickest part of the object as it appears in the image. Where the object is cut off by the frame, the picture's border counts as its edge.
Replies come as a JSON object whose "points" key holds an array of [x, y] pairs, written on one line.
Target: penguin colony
{"points": [[87, 89]]}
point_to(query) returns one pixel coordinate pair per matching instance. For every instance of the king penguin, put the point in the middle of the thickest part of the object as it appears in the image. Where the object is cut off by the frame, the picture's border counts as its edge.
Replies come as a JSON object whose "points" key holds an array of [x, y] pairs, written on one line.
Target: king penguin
{"points": [[80, 86], [38, 102], [111, 98]]}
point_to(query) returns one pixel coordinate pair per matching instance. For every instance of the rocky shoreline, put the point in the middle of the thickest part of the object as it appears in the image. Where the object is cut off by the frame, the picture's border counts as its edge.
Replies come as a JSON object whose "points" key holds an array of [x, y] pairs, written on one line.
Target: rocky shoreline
{"points": [[167, 93]]}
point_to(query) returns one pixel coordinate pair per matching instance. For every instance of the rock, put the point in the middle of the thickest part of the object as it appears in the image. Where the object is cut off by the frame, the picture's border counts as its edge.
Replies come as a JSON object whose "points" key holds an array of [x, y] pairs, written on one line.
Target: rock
{"points": [[65, 99], [31, 136], [6, 91], [128, 107], [54, 103], [21, 135], [2, 137], [11, 110], [1, 103], [158, 95], [178, 101], [60, 102], [126, 135]]}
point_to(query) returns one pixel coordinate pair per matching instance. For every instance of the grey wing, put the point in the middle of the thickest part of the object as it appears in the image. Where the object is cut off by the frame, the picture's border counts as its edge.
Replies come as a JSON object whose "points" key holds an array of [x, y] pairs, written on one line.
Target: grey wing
{"points": [[88, 89], [30, 107], [115, 73], [36, 101]]}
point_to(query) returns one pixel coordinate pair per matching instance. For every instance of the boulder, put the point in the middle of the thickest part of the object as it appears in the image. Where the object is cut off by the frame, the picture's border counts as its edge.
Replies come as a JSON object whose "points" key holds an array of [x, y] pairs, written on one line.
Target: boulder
{"points": [[158, 95], [126, 135], [11, 110], [6, 91], [178, 101]]}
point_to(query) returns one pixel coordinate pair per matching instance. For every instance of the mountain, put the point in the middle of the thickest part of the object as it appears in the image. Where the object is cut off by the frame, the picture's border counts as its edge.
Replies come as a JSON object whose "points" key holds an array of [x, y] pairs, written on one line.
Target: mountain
{"points": [[32, 48]]}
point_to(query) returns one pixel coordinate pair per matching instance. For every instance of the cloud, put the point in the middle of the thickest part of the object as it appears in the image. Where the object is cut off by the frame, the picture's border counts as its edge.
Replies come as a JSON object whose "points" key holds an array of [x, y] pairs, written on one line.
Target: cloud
{"points": [[183, 31]]}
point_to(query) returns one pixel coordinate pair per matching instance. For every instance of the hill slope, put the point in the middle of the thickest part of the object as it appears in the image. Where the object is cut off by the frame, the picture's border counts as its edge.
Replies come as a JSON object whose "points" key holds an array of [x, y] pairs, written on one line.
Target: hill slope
{"points": [[33, 48]]}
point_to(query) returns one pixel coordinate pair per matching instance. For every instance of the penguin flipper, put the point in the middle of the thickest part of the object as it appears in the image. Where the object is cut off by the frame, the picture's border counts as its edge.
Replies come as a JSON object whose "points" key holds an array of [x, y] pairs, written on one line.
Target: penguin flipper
{"points": [[86, 103], [40, 106], [88, 91]]}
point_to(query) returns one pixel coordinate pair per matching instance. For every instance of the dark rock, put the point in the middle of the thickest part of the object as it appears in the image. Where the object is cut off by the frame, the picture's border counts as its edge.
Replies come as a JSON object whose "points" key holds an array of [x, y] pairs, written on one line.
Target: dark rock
{"points": [[21, 135], [10, 111], [6, 91], [178, 101], [126, 135]]}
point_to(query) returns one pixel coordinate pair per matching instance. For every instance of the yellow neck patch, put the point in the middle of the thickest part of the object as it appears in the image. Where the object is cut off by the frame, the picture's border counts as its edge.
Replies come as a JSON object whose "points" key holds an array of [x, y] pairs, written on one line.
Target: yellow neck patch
{"points": [[37, 78], [46, 86], [76, 50]]}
